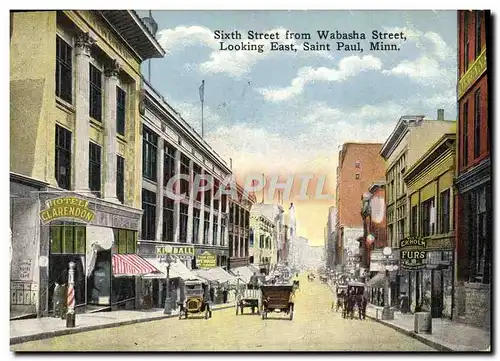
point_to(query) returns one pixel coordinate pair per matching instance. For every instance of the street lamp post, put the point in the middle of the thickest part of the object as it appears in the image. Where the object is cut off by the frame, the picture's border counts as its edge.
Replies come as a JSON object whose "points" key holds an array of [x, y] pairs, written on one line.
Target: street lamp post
{"points": [[168, 306], [387, 314]]}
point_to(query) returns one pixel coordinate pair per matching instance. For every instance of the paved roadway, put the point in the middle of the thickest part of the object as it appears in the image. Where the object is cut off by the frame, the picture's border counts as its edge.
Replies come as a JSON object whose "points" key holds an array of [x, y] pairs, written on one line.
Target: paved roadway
{"points": [[314, 328]]}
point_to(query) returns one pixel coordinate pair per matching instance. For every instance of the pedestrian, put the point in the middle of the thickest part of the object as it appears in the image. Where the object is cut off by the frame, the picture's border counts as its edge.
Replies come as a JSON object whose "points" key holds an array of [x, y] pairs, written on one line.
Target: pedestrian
{"points": [[364, 305], [212, 294], [359, 305], [224, 295]]}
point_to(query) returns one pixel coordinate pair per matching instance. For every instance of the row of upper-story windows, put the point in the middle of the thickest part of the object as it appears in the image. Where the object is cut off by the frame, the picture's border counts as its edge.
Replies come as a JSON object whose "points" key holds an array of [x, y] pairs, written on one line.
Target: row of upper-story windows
{"points": [[238, 216], [476, 124], [425, 221], [150, 166], [472, 20], [65, 84], [63, 164]]}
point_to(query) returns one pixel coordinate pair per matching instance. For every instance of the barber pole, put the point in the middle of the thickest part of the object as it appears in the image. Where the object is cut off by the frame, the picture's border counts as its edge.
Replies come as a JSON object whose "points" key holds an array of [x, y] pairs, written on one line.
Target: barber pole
{"points": [[70, 316]]}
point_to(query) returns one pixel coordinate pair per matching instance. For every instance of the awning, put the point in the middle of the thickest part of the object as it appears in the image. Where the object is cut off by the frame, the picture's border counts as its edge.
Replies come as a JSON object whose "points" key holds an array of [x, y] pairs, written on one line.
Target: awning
{"points": [[377, 281], [177, 270], [217, 274], [131, 265], [245, 273]]}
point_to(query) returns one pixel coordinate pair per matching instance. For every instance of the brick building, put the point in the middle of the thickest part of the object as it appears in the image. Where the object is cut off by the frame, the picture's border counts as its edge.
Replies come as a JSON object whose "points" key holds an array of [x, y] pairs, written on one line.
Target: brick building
{"points": [[360, 164], [473, 206]]}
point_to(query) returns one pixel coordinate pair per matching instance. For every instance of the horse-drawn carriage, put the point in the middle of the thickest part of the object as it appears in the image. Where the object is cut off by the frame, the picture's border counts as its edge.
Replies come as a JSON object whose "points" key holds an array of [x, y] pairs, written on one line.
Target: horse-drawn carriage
{"points": [[277, 298], [341, 293], [355, 299], [249, 297], [196, 300], [323, 278], [311, 277]]}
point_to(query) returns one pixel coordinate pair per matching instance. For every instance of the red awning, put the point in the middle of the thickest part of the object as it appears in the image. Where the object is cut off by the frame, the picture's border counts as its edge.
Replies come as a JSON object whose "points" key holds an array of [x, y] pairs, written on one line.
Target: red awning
{"points": [[131, 265]]}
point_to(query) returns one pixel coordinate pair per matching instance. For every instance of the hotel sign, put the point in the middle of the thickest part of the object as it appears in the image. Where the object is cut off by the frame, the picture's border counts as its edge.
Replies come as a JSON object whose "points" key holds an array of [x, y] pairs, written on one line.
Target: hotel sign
{"points": [[175, 250], [475, 71], [67, 208], [207, 260], [413, 252]]}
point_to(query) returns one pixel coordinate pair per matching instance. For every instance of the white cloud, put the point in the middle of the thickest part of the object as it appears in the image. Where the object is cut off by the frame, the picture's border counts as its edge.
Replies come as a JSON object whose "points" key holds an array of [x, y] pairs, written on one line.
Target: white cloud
{"points": [[424, 70], [348, 67], [234, 63]]}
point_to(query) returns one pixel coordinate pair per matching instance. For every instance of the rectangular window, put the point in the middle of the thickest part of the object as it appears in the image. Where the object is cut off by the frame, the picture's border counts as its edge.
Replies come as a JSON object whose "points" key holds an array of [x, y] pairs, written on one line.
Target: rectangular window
{"points": [[426, 210], [168, 219], [168, 164], [231, 246], [95, 168], [223, 202], [120, 110], [63, 157], [120, 178], [465, 134], [206, 228], [466, 40], [477, 123], [67, 238], [64, 70], [223, 232], [358, 164], [477, 42], [149, 215], [149, 149], [125, 241], [196, 225], [414, 221], [357, 175], [214, 231], [444, 211], [208, 196], [183, 223], [95, 98], [231, 213], [216, 198], [185, 170], [480, 246], [197, 173]]}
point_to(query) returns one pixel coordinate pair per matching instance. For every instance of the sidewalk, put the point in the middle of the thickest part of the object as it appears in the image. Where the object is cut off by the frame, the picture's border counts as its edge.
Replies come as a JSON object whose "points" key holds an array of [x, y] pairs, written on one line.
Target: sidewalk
{"points": [[446, 335], [47, 327]]}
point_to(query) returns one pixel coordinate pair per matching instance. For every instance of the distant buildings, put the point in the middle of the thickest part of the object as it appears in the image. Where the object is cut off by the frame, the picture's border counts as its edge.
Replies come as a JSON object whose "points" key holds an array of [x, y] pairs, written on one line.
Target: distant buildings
{"points": [[360, 164]]}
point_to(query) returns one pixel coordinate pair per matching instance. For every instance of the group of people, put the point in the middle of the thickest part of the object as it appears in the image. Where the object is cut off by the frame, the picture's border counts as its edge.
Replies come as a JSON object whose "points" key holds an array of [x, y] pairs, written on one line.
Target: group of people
{"points": [[350, 301]]}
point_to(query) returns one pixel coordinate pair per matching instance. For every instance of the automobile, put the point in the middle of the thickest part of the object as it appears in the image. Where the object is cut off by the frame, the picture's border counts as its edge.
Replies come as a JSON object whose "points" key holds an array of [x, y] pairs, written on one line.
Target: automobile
{"points": [[196, 301]]}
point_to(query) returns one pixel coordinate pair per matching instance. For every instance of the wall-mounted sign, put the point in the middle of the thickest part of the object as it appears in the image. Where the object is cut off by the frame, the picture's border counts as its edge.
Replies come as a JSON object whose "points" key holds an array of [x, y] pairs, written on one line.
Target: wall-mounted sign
{"points": [[413, 252], [207, 260], [175, 250], [67, 208]]}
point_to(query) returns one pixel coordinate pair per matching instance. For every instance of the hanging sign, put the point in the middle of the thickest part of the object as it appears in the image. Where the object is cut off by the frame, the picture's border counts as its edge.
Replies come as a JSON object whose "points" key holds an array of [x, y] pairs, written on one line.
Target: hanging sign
{"points": [[67, 208], [413, 252], [207, 260]]}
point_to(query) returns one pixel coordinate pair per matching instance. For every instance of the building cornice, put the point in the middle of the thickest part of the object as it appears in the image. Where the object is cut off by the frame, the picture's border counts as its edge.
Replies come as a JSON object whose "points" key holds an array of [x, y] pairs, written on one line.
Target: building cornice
{"points": [[168, 115], [474, 177], [397, 134], [445, 144]]}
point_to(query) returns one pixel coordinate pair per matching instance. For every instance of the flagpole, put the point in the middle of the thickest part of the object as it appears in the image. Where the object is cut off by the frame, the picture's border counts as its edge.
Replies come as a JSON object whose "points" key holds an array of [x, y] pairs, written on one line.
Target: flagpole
{"points": [[202, 99], [264, 187]]}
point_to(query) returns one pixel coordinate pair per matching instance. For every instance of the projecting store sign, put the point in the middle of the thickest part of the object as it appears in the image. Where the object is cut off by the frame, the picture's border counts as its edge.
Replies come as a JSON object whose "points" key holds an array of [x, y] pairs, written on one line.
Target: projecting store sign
{"points": [[207, 260], [67, 208], [413, 253], [176, 250]]}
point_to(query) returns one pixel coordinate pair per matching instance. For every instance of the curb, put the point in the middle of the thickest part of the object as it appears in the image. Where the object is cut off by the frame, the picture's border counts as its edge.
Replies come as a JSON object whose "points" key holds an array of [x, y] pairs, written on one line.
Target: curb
{"points": [[70, 331], [411, 334]]}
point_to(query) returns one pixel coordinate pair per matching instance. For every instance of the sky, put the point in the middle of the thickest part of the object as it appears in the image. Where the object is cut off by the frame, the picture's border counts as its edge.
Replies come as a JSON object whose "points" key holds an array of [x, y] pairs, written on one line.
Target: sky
{"points": [[288, 113]]}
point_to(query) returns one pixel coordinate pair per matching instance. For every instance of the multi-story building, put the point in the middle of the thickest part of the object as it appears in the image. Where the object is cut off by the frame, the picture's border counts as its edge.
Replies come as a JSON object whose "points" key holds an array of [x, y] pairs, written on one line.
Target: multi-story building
{"points": [[174, 158], [275, 213], [261, 249], [239, 228], [473, 204], [410, 139], [330, 238], [75, 86], [359, 166], [430, 192]]}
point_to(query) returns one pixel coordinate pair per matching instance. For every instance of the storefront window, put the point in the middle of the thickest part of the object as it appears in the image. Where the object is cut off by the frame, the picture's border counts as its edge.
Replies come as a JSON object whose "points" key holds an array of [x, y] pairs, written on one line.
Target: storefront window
{"points": [[58, 275], [100, 281], [125, 241], [67, 238], [426, 290]]}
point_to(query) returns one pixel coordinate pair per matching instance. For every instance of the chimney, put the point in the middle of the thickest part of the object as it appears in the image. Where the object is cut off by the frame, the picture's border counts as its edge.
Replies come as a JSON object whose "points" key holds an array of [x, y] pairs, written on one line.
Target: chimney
{"points": [[440, 114]]}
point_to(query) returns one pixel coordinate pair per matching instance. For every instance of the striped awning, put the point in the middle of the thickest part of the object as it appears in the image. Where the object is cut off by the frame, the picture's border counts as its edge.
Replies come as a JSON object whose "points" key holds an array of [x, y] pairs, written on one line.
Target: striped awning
{"points": [[131, 265]]}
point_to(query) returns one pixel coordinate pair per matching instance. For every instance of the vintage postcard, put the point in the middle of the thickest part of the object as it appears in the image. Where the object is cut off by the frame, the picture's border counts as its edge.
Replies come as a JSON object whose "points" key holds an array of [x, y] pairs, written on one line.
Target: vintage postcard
{"points": [[251, 180]]}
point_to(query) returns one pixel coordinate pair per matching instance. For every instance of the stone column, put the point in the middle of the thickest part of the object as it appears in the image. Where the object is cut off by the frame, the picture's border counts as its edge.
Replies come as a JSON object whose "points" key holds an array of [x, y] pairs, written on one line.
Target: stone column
{"points": [[177, 206], [211, 240], [81, 135], [192, 197], [160, 154], [110, 145], [201, 226], [220, 236]]}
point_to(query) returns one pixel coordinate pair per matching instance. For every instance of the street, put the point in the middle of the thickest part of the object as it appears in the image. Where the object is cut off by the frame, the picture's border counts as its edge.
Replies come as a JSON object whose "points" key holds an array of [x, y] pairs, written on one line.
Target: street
{"points": [[314, 328]]}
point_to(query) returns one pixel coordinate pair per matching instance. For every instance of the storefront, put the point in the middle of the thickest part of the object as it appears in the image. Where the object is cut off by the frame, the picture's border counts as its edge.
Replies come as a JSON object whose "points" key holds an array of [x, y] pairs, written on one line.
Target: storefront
{"points": [[101, 239], [222, 253]]}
